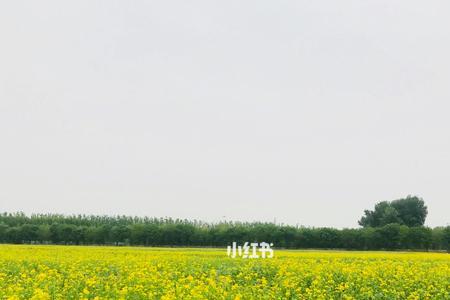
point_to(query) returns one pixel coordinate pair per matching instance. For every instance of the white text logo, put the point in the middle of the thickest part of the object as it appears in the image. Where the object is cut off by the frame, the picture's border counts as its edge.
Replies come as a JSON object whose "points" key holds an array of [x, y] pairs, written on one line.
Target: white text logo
{"points": [[245, 251]]}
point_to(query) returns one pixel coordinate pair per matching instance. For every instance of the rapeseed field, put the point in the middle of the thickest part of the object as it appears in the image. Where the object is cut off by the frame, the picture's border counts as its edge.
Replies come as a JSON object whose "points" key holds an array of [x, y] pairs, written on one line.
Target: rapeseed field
{"points": [[75, 272]]}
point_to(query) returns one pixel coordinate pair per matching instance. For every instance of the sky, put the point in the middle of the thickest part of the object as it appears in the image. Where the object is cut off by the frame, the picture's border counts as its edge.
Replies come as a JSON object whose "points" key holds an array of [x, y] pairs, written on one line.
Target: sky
{"points": [[298, 112]]}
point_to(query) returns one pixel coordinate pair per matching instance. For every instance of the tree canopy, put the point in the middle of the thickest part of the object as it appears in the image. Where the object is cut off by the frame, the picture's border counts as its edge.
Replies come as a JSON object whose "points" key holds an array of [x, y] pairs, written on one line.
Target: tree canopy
{"points": [[143, 231], [410, 211]]}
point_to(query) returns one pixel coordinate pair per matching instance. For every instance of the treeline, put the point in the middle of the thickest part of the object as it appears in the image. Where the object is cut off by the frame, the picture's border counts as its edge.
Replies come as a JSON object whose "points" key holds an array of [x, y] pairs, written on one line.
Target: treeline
{"points": [[19, 228]]}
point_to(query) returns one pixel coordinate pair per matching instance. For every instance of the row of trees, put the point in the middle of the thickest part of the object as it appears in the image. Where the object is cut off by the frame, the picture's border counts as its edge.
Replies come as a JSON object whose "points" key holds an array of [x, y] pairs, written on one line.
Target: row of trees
{"points": [[122, 230]]}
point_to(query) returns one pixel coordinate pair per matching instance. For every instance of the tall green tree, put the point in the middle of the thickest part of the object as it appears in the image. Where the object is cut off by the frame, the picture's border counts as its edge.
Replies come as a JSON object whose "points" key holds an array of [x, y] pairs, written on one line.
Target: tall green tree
{"points": [[446, 238], [410, 211]]}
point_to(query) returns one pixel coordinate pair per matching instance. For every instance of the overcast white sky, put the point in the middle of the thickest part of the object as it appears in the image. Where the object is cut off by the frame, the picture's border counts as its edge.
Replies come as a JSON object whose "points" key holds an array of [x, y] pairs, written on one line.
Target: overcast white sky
{"points": [[307, 112]]}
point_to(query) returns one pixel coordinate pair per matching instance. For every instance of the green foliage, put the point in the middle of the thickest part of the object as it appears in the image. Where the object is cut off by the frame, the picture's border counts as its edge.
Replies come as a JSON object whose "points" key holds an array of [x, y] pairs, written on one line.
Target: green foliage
{"points": [[122, 230], [446, 238], [409, 211]]}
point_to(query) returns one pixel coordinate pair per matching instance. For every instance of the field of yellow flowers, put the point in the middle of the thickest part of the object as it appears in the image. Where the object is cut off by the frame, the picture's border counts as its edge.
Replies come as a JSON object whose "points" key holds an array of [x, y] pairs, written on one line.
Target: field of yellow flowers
{"points": [[74, 272]]}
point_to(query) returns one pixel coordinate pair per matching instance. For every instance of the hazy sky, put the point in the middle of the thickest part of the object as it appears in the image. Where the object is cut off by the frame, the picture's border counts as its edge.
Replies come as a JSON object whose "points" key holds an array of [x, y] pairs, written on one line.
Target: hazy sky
{"points": [[305, 112]]}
